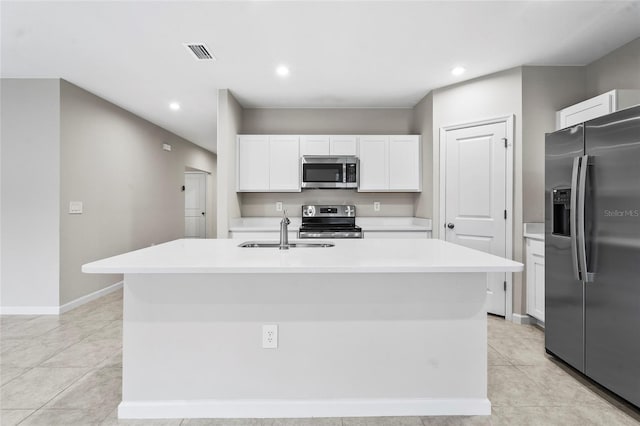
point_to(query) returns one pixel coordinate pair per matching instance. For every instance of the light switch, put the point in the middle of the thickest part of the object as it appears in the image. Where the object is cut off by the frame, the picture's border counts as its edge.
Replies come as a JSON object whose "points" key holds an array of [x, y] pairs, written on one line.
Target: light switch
{"points": [[75, 207]]}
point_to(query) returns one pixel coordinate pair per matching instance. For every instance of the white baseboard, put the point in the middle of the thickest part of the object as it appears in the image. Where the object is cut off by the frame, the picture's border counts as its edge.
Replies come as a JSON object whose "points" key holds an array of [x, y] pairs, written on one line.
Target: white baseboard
{"points": [[57, 310], [295, 408], [522, 319], [29, 310], [89, 297]]}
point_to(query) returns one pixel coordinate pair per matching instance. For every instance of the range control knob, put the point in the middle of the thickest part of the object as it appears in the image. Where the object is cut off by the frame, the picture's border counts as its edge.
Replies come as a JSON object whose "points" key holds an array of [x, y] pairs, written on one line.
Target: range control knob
{"points": [[309, 211], [350, 211]]}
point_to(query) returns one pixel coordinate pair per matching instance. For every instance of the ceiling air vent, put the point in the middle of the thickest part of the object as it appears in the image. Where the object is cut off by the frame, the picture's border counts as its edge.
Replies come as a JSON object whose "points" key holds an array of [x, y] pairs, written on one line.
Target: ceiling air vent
{"points": [[200, 51]]}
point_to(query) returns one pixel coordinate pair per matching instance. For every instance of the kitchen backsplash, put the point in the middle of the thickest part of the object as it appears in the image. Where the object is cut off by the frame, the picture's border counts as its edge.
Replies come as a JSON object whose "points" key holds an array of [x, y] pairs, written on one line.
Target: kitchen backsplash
{"points": [[264, 203]]}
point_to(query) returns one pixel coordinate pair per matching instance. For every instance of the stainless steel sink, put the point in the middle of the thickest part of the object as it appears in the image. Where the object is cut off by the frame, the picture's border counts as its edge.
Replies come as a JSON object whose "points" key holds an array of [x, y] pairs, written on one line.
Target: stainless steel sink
{"points": [[275, 244]]}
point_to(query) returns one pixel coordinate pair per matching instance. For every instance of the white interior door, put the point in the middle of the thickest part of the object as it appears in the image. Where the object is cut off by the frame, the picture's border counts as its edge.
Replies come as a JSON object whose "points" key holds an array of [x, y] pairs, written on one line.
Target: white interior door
{"points": [[475, 197], [195, 205]]}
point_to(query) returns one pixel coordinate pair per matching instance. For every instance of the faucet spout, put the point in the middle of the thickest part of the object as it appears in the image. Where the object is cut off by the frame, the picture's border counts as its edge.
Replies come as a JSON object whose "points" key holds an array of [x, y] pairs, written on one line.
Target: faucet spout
{"points": [[284, 232]]}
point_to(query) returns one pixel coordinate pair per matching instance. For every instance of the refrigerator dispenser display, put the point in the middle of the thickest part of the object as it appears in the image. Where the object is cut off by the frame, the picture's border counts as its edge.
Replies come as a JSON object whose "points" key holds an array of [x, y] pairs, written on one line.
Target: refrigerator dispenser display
{"points": [[561, 220]]}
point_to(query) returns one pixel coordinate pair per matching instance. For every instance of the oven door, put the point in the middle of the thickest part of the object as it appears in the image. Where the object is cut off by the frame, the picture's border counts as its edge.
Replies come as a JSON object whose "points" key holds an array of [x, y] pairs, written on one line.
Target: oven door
{"points": [[328, 234]]}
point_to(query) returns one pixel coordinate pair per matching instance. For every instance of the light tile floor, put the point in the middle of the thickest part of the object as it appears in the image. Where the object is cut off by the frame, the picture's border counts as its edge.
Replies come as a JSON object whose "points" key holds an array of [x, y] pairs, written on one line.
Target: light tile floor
{"points": [[67, 370]]}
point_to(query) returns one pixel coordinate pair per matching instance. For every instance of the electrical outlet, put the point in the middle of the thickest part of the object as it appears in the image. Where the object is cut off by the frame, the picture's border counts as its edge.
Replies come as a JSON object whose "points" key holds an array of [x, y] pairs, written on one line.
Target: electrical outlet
{"points": [[270, 336], [75, 207], [278, 206], [376, 206]]}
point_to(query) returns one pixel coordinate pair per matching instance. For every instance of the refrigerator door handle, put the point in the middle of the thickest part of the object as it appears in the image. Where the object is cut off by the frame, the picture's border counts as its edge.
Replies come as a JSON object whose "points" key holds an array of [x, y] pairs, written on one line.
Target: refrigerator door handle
{"points": [[573, 218], [581, 240]]}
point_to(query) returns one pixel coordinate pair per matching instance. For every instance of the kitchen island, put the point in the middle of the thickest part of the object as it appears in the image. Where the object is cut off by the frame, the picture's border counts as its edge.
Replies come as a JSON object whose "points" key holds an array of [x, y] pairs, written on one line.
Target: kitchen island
{"points": [[365, 328]]}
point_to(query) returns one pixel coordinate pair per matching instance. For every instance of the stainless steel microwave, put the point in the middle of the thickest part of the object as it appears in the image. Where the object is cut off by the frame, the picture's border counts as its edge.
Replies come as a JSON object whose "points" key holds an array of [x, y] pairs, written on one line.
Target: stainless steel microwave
{"points": [[320, 171]]}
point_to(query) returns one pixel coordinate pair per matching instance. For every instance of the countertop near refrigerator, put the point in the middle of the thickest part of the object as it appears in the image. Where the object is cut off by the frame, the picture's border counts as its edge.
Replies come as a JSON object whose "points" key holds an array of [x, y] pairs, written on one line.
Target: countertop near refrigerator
{"points": [[534, 230]]}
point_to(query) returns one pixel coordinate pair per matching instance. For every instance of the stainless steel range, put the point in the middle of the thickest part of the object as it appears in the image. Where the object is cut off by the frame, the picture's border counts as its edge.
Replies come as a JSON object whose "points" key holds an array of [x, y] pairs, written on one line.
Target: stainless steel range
{"points": [[329, 221]]}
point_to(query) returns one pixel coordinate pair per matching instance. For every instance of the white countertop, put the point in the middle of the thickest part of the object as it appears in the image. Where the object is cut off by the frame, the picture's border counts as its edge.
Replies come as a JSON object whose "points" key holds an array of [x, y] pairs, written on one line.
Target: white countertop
{"points": [[348, 256], [265, 224], [534, 230]]}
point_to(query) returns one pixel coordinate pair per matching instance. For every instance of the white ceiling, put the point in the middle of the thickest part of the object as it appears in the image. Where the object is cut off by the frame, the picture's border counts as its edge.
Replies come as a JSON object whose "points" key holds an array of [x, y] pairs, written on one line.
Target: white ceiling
{"points": [[341, 54]]}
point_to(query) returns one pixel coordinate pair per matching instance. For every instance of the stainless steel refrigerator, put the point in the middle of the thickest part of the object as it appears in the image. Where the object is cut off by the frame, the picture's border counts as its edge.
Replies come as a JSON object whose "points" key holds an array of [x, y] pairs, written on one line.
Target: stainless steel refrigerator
{"points": [[592, 250]]}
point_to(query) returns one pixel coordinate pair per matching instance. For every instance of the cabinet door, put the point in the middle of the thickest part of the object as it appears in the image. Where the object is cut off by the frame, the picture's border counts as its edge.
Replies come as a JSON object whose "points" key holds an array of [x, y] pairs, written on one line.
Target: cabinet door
{"points": [[284, 163], [396, 234], [314, 145], [374, 164], [253, 163], [591, 108], [404, 163], [261, 235], [344, 145], [535, 278]]}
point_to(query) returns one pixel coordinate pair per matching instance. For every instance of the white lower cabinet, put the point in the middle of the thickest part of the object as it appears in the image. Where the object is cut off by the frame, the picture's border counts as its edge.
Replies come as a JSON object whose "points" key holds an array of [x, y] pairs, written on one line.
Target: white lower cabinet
{"points": [[535, 278], [261, 235], [397, 234]]}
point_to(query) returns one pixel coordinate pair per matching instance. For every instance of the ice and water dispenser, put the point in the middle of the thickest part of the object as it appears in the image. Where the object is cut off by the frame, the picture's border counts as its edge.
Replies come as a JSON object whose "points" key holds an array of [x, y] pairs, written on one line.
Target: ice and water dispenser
{"points": [[561, 212]]}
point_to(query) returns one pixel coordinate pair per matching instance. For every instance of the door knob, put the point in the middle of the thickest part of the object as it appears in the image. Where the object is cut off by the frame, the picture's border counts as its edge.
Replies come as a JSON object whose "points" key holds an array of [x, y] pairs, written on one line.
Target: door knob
{"points": [[450, 225]]}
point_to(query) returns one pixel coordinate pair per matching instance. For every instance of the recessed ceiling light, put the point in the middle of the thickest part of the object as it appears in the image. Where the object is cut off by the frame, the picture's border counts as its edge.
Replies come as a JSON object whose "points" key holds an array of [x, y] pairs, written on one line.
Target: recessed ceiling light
{"points": [[174, 106], [458, 71], [282, 70]]}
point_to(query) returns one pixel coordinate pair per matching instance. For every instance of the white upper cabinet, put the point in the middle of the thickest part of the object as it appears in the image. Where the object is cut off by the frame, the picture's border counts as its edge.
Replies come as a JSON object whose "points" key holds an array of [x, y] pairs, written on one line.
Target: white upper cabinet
{"points": [[595, 107], [405, 173], [390, 163], [271, 163], [374, 163], [268, 163], [253, 163], [315, 145], [328, 145], [284, 163], [343, 145]]}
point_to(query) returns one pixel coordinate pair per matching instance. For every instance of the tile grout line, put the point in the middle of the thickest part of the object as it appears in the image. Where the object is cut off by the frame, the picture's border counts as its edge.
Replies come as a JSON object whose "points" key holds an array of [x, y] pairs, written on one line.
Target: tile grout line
{"points": [[91, 370], [52, 398]]}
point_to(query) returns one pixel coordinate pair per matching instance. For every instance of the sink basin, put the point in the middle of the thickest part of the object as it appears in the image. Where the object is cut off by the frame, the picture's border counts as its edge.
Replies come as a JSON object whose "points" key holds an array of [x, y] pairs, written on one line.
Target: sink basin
{"points": [[275, 244]]}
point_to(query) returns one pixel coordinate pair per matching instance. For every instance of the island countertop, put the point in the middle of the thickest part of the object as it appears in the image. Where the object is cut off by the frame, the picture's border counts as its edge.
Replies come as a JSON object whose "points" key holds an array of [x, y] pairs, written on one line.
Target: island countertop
{"points": [[348, 256]]}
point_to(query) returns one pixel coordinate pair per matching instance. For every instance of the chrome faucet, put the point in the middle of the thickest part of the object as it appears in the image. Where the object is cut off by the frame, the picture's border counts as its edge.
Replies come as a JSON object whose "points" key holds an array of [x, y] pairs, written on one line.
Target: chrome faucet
{"points": [[284, 232]]}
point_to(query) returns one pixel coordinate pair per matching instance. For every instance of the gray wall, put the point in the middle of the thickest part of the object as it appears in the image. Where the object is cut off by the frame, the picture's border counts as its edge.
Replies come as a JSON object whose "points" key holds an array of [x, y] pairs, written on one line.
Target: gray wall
{"points": [[619, 69], [391, 204], [545, 90], [422, 124], [327, 121], [229, 125], [486, 97], [30, 188], [113, 161]]}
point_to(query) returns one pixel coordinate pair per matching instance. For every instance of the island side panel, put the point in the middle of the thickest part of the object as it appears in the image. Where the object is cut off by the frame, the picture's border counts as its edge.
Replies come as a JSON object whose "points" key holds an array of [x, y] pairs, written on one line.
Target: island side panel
{"points": [[349, 344]]}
